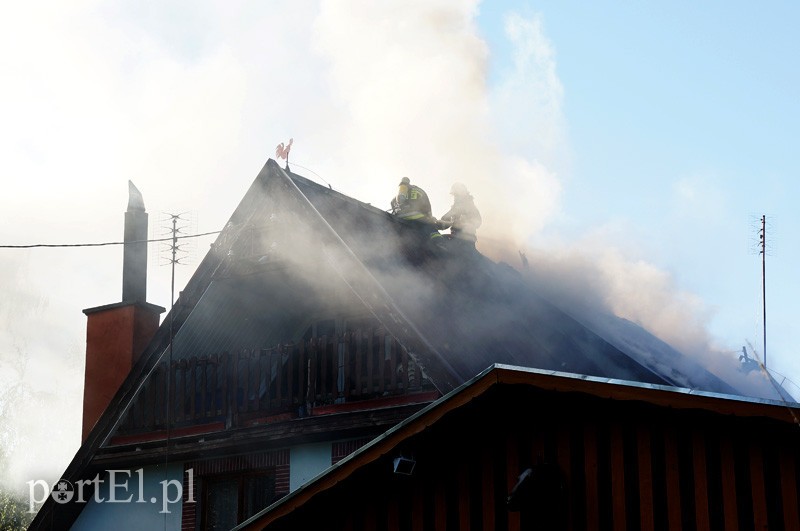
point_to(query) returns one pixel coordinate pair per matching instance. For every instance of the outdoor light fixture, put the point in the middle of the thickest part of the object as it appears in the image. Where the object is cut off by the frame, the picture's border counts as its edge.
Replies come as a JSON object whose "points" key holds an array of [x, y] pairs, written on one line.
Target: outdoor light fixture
{"points": [[404, 466]]}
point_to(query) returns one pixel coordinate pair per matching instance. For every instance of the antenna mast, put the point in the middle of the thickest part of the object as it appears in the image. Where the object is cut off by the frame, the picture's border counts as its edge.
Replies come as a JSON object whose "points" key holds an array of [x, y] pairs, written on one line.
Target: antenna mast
{"points": [[762, 236], [174, 248]]}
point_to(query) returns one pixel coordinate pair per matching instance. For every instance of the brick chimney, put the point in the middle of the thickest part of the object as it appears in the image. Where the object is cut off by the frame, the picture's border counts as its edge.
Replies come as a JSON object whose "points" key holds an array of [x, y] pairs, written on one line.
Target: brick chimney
{"points": [[117, 334]]}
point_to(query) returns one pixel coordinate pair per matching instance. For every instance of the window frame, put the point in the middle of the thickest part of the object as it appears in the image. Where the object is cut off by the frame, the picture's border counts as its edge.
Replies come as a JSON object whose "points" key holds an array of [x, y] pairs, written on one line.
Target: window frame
{"points": [[241, 484]]}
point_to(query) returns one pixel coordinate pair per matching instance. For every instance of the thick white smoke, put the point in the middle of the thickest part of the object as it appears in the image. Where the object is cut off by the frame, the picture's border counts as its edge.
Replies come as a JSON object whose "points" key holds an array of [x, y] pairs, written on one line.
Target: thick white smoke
{"points": [[410, 85], [412, 97], [592, 277], [41, 371]]}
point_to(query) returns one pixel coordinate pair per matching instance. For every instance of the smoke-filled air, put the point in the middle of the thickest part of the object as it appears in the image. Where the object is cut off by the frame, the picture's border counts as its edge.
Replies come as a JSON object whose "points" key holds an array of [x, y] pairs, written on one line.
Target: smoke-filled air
{"points": [[188, 100]]}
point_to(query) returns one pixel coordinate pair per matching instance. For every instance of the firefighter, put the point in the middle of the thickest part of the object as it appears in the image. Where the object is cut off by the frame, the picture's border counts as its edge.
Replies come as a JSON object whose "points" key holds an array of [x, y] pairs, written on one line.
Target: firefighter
{"points": [[411, 203], [463, 218]]}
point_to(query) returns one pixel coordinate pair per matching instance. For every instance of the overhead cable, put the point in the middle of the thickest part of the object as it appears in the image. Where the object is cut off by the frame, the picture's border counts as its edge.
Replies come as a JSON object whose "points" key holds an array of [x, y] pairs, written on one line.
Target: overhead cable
{"points": [[31, 246]]}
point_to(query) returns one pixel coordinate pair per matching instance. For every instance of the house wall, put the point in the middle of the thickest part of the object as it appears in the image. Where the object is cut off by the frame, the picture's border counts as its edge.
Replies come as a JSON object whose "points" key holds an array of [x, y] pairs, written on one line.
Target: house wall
{"points": [[307, 461], [599, 464], [276, 461], [133, 515]]}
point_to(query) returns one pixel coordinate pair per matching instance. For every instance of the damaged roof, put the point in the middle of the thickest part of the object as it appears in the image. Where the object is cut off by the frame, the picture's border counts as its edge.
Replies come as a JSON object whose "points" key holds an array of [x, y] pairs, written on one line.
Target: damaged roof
{"points": [[298, 247], [474, 312]]}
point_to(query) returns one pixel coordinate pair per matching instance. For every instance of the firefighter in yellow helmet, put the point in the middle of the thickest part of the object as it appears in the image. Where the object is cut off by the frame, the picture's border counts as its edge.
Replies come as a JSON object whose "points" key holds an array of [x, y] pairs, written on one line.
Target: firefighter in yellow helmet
{"points": [[412, 203], [463, 218]]}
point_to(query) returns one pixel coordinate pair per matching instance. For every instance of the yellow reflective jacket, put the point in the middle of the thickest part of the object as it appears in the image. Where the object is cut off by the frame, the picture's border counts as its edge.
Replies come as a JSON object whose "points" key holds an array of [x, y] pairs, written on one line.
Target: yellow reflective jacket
{"points": [[412, 202]]}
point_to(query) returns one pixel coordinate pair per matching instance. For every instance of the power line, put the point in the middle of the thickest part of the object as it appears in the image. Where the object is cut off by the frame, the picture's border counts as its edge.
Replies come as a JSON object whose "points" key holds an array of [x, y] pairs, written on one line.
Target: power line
{"points": [[31, 246]]}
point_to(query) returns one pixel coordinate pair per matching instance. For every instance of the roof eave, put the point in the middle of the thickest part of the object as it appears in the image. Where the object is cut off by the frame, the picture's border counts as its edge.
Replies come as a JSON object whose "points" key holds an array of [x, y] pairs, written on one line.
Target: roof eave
{"points": [[607, 388]]}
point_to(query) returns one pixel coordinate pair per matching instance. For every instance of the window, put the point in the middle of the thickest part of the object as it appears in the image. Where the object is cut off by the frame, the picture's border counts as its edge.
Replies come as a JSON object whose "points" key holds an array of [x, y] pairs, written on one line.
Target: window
{"points": [[230, 499]]}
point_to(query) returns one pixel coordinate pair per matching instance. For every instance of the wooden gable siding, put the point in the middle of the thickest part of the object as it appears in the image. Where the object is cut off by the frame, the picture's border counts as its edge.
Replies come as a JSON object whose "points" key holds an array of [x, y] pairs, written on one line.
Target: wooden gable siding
{"points": [[624, 465], [261, 385]]}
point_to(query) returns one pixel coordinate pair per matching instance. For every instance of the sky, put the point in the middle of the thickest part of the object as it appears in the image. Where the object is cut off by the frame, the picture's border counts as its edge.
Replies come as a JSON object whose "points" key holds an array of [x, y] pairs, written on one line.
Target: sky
{"points": [[635, 146]]}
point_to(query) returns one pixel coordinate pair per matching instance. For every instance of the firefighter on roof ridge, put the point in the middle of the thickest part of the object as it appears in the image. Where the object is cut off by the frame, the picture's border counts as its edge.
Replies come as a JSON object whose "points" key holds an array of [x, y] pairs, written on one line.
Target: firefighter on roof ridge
{"points": [[412, 203], [463, 218]]}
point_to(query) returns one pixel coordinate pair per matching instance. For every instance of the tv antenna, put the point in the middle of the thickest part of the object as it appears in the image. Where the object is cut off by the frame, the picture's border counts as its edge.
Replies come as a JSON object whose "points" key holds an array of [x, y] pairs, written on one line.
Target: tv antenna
{"points": [[762, 244], [178, 254], [175, 227]]}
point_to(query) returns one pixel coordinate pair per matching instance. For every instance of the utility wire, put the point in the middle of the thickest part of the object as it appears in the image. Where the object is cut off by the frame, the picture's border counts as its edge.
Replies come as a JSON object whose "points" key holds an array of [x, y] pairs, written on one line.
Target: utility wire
{"points": [[312, 171], [31, 246]]}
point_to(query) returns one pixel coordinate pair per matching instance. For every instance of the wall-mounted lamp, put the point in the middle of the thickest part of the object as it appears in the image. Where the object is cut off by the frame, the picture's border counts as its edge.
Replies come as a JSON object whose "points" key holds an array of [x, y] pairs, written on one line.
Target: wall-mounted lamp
{"points": [[404, 465]]}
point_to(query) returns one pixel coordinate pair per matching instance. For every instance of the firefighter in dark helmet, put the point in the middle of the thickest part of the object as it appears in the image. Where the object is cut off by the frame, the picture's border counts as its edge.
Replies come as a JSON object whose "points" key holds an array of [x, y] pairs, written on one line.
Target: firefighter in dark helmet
{"points": [[463, 218]]}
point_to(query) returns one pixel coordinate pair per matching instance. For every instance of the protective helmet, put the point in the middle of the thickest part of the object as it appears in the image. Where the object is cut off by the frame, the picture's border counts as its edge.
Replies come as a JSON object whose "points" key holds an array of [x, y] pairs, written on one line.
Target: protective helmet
{"points": [[405, 180], [458, 189]]}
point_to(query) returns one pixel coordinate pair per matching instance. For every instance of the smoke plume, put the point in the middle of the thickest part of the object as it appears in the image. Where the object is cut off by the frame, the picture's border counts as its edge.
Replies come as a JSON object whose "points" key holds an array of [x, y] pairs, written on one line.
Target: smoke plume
{"points": [[411, 93], [410, 86]]}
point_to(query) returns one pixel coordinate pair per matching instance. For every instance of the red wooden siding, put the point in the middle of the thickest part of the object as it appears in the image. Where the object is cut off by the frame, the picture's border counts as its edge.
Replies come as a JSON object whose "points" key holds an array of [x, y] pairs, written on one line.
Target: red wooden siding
{"points": [[189, 514], [623, 465], [341, 449]]}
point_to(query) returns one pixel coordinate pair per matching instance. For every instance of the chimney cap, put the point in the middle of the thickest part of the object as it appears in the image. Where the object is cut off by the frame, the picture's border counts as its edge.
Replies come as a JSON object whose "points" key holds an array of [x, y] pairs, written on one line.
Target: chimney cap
{"points": [[135, 199], [155, 308]]}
